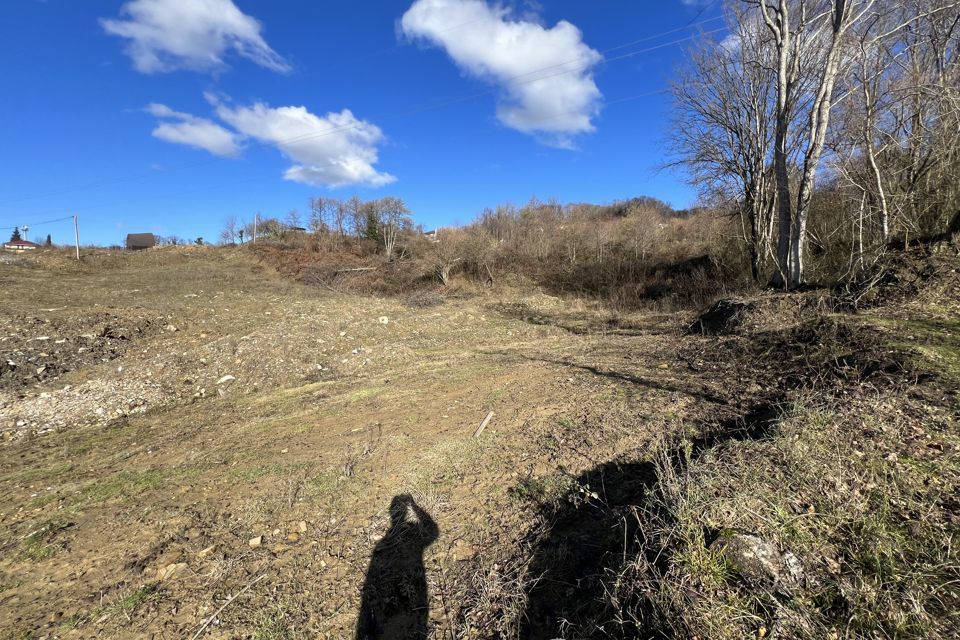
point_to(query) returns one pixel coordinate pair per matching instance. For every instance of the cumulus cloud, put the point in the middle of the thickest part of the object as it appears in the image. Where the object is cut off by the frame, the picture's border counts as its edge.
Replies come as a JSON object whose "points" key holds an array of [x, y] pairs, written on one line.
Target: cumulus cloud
{"points": [[183, 128], [334, 150], [545, 74], [166, 35]]}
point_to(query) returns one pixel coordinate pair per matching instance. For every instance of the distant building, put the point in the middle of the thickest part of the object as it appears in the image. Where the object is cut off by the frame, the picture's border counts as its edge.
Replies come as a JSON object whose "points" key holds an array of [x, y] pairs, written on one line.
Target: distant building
{"points": [[432, 235], [20, 246], [137, 241]]}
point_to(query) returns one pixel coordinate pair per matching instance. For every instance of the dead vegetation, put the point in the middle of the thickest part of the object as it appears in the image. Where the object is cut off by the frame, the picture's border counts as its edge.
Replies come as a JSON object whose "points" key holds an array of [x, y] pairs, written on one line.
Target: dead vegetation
{"points": [[626, 468], [824, 508]]}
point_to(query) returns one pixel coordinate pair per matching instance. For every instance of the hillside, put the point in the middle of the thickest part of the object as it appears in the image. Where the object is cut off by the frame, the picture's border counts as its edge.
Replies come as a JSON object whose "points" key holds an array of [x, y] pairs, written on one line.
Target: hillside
{"points": [[195, 445]]}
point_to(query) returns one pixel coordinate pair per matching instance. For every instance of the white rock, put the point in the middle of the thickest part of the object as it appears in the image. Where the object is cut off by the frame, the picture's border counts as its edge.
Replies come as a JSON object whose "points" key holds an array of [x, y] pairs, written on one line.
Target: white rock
{"points": [[225, 379], [383, 320]]}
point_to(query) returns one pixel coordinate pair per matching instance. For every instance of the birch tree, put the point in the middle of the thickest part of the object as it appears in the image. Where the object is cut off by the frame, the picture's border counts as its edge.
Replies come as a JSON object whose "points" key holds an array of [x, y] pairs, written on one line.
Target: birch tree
{"points": [[809, 38], [394, 219]]}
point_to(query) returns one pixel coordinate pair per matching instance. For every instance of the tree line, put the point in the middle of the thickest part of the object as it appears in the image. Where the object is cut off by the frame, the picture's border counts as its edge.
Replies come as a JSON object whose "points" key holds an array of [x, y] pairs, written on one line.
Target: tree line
{"points": [[381, 221], [852, 102]]}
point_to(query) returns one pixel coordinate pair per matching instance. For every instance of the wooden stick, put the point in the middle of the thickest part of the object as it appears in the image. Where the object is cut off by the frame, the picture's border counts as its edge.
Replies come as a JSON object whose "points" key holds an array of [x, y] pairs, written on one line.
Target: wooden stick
{"points": [[483, 425], [225, 604]]}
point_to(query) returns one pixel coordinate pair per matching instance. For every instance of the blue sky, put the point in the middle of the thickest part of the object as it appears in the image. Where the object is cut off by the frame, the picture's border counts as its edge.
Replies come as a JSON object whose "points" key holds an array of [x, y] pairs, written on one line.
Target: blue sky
{"points": [[170, 115]]}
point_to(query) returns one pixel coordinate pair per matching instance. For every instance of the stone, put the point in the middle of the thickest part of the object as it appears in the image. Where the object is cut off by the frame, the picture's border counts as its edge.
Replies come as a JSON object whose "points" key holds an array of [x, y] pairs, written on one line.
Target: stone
{"points": [[206, 552], [383, 320], [167, 572], [760, 563], [293, 536], [171, 328], [463, 552], [225, 379], [302, 526], [255, 542]]}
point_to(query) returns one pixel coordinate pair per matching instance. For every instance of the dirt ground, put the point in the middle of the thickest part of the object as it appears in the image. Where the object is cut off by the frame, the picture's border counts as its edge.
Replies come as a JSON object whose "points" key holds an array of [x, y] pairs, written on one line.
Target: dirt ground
{"points": [[194, 446], [179, 424]]}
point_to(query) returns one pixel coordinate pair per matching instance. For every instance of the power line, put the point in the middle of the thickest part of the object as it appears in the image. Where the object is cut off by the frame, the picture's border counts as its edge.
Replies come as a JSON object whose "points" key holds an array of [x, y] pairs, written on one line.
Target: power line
{"points": [[414, 110], [36, 224], [702, 11], [464, 98]]}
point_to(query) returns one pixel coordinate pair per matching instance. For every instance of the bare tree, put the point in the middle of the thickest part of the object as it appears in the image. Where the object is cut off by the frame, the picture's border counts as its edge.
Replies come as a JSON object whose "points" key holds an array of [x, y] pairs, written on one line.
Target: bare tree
{"points": [[723, 128], [293, 220], [319, 214], [228, 234], [340, 214], [393, 218], [808, 42], [447, 253], [356, 214]]}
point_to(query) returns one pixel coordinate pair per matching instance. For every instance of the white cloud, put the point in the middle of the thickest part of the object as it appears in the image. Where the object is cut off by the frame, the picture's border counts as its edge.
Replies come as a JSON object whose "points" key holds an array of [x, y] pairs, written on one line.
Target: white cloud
{"points": [[731, 42], [193, 131], [193, 34], [545, 74], [334, 150]]}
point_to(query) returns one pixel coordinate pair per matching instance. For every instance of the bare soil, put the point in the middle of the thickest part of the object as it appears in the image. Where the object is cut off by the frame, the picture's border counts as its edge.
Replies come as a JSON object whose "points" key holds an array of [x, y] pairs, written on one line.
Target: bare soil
{"points": [[195, 444]]}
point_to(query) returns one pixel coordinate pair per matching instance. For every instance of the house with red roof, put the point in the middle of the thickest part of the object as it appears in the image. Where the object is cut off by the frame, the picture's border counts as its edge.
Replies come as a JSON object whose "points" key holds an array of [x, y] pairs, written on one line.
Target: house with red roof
{"points": [[20, 246]]}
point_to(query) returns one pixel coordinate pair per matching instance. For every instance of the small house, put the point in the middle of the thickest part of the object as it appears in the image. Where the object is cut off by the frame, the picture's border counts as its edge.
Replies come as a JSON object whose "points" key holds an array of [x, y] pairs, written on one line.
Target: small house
{"points": [[138, 241], [20, 246]]}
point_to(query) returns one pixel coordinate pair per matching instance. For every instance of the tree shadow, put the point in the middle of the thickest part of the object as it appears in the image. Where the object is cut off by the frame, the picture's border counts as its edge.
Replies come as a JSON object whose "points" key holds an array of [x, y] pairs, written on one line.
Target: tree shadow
{"points": [[594, 532], [395, 601], [702, 393], [589, 534], [582, 323]]}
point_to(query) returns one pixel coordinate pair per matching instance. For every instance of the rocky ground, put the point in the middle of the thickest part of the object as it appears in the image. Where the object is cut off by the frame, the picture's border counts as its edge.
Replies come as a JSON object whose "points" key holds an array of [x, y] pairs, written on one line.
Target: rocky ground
{"points": [[194, 446]]}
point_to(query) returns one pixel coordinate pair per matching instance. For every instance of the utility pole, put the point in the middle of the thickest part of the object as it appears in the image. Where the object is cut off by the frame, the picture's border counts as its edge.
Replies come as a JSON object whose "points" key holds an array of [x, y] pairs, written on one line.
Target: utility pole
{"points": [[76, 235]]}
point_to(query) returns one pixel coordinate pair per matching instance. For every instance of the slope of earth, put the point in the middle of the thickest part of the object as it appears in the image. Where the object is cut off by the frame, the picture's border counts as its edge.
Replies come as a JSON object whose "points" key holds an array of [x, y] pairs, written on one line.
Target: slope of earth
{"points": [[194, 446], [181, 426]]}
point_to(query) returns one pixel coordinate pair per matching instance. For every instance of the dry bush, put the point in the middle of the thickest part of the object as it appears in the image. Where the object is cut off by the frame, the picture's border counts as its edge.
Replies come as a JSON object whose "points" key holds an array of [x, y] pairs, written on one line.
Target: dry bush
{"points": [[639, 253]]}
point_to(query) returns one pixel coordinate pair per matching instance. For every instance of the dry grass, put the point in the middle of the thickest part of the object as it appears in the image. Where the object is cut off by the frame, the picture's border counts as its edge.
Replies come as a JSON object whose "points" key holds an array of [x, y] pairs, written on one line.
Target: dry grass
{"points": [[589, 505], [859, 492]]}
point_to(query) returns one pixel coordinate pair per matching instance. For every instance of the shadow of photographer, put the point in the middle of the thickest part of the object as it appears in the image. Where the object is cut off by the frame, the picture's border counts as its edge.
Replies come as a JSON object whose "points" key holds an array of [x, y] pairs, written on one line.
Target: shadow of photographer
{"points": [[395, 601]]}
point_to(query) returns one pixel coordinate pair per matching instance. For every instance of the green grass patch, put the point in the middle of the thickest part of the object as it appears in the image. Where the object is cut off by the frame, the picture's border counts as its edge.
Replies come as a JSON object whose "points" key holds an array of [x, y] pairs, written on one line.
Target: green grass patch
{"points": [[122, 485], [127, 604], [127, 485], [276, 623], [847, 491], [40, 544], [539, 490]]}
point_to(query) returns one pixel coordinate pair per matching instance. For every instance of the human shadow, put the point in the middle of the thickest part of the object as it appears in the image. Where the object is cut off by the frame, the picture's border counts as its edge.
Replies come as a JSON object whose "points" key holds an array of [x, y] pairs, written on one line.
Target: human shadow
{"points": [[395, 602]]}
